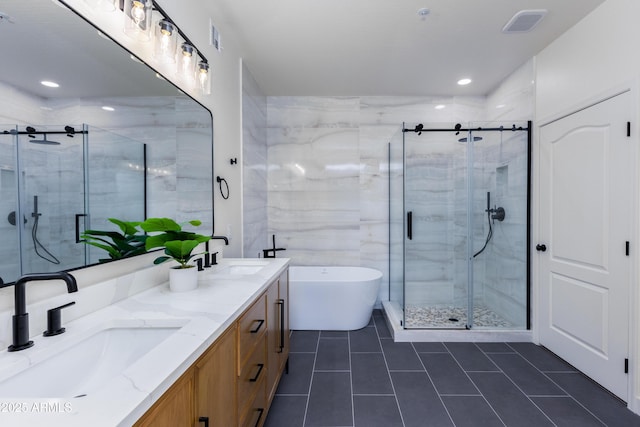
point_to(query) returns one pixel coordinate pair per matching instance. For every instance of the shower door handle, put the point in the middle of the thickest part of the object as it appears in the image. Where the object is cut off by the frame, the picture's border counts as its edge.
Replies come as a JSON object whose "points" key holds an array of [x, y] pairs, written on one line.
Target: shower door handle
{"points": [[410, 225], [78, 216]]}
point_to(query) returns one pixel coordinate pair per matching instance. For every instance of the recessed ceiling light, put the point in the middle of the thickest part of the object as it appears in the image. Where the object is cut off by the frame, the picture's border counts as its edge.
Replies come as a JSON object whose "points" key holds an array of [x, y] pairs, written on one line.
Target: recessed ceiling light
{"points": [[48, 83], [423, 12], [107, 108], [440, 106], [499, 106], [464, 82]]}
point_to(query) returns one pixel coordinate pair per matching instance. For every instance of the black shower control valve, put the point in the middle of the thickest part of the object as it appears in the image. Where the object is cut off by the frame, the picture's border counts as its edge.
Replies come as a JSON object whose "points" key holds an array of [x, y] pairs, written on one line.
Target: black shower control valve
{"points": [[541, 248], [234, 161], [54, 320], [498, 213]]}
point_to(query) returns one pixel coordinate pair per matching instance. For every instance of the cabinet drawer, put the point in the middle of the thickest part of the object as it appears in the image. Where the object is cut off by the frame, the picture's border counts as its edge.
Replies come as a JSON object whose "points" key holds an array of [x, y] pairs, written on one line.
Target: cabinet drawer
{"points": [[256, 413], [251, 328], [253, 373]]}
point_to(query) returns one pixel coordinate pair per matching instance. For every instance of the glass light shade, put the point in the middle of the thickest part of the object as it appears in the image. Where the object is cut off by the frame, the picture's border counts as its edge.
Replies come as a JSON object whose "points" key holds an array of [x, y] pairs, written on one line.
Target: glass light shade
{"points": [[137, 19], [102, 5], [165, 41], [187, 61], [203, 78]]}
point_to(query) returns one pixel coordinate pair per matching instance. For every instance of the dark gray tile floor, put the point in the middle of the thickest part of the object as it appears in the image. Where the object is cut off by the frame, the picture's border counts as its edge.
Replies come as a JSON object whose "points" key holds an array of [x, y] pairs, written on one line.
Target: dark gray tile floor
{"points": [[363, 379]]}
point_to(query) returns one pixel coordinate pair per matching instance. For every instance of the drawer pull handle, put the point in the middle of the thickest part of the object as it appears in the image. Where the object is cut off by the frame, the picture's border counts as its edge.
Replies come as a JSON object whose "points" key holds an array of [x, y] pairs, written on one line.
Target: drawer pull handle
{"points": [[260, 412], [204, 420], [281, 304], [260, 367], [260, 323]]}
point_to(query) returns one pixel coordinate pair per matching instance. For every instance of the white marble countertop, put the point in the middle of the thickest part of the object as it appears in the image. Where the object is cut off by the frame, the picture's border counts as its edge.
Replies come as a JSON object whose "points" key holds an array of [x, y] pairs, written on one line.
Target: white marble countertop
{"points": [[205, 313]]}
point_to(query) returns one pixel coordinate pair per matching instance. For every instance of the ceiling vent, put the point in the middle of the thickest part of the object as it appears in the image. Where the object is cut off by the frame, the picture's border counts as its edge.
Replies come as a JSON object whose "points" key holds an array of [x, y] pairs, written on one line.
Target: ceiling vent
{"points": [[524, 21]]}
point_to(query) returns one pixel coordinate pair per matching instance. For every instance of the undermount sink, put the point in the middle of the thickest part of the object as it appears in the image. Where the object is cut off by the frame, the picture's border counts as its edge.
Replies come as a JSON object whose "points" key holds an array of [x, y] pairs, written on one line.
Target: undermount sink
{"points": [[85, 366], [241, 267]]}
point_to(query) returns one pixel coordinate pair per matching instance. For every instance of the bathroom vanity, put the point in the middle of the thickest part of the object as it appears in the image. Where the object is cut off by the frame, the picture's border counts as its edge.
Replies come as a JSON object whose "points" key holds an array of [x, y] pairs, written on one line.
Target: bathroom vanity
{"points": [[208, 357], [234, 381]]}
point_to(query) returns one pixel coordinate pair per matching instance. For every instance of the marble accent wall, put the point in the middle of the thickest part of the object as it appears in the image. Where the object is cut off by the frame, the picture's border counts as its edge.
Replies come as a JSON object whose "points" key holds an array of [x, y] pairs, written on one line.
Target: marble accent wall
{"points": [[328, 195], [328, 173], [254, 167]]}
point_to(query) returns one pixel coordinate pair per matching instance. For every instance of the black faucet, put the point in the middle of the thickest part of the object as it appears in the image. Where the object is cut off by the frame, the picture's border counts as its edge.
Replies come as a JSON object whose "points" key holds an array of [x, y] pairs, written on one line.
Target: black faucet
{"points": [[226, 241], [271, 253], [21, 317]]}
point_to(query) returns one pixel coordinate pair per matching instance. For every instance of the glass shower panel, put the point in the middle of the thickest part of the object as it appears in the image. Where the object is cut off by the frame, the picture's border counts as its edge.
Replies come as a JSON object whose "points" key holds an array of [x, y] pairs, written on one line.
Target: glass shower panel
{"points": [[436, 230], [499, 215], [396, 224], [52, 182], [10, 267], [116, 171]]}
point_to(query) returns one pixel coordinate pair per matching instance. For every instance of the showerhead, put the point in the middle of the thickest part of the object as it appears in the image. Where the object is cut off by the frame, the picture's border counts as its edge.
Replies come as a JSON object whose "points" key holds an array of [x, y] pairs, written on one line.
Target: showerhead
{"points": [[475, 139], [44, 141]]}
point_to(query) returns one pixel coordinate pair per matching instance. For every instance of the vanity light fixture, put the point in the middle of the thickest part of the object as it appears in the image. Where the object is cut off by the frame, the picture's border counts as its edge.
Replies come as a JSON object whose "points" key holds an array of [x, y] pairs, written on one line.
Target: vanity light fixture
{"points": [[48, 83], [187, 60], [137, 19], [165, 41], [204, 78]]}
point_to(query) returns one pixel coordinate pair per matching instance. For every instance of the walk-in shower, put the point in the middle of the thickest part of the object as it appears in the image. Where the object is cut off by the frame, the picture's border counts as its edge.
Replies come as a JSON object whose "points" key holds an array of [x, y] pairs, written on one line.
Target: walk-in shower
{"points": [[57, 181], [459, 203]]}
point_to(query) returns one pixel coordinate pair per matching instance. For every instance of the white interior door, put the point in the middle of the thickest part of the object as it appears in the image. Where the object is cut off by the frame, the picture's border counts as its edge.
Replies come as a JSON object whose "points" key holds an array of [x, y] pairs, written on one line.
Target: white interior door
{"points": [[586, 195]]}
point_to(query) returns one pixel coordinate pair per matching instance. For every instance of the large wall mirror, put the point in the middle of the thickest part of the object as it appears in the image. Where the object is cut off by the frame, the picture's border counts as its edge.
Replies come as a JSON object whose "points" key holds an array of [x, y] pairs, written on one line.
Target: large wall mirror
{"points": [[112, 140]]}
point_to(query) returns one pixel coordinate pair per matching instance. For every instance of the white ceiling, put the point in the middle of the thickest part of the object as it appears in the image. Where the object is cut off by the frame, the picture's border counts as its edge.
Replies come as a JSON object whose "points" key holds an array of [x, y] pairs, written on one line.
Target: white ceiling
{"points": [[383, 47]]}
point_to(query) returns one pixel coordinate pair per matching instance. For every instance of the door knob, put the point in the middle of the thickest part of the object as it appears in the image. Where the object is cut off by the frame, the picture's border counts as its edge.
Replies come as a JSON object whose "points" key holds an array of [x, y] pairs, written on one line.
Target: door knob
{"points": [[541, 248]]}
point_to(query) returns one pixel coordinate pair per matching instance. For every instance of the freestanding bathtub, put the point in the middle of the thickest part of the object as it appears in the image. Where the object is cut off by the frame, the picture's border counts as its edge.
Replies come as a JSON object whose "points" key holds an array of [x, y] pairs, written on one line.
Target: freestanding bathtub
{"points": [[332, 298]]}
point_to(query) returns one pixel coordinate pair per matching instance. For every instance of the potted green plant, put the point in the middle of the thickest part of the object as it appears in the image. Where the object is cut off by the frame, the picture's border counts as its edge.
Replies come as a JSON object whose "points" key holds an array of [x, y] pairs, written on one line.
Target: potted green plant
{"points": [[129, 242], [178, 246]]}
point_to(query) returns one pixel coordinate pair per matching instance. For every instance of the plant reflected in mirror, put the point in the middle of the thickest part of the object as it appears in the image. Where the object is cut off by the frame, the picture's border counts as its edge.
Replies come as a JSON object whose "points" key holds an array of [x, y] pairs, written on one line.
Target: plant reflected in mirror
{"points": [[130, 242]]}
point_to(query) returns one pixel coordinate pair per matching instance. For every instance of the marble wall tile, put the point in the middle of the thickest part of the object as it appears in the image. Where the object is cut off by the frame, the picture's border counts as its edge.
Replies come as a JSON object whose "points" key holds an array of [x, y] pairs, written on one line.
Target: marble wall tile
{"points": [[254, 167], [328, 187]]}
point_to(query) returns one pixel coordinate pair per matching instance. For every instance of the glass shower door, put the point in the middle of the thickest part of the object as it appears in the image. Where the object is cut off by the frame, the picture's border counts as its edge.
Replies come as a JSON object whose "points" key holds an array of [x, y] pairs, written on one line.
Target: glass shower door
{"points": [[52, 188], [435, 186], [499, 218]]}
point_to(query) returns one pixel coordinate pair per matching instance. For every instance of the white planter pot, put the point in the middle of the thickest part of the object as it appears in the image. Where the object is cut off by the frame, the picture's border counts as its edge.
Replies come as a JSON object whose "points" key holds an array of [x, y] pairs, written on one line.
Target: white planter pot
{"points": [[183, 279]]}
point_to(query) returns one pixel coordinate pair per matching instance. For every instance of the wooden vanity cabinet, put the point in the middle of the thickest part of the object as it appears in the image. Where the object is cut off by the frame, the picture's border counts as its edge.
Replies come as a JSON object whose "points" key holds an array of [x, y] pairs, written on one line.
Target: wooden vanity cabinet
{"points": [[205, 395], [174, 408], [278, 342], [215, 382], [234, 381], [252, 362]]}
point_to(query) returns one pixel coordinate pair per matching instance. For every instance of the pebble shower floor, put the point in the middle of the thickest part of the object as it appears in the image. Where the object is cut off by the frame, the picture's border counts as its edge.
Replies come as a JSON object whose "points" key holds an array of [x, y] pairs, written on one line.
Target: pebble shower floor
{"points": [[452, 317]]}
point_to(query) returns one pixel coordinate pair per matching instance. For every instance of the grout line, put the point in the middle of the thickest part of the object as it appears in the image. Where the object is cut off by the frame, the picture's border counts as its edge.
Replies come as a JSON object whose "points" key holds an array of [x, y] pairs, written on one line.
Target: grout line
{"points": [[558, 385], [374, 394], [433, 384], [353, 406], [474, 384], [306, 408], [393, 387], [521, 390]]}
